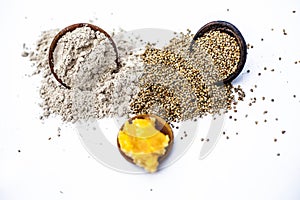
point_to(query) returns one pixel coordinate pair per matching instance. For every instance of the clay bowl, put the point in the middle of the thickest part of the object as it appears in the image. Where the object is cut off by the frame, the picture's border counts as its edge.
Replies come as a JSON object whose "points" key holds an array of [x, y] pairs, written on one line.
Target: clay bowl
{"points": [[161, 125], [231, 30], [69, 29]]}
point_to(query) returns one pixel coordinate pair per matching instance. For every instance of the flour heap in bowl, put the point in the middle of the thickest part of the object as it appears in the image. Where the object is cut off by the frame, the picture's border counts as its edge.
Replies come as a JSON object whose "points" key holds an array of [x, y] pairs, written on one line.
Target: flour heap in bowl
{"points": [[97, 90], [83, 58]]}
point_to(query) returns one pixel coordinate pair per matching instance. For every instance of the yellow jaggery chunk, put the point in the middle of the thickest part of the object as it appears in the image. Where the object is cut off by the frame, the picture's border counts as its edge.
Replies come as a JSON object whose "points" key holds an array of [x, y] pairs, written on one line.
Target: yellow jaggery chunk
{"points": [[141, 141]]}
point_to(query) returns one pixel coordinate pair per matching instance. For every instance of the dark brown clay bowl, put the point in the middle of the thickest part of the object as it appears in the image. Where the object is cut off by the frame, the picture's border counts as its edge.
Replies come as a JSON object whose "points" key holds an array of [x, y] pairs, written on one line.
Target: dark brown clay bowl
{"points": [[69, 29], [159, 125], [230, 29]]}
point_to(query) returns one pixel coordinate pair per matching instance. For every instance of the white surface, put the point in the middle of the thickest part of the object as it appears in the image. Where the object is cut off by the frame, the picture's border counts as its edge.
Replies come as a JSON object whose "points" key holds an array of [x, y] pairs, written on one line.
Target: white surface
{"points": [[243, 167]]}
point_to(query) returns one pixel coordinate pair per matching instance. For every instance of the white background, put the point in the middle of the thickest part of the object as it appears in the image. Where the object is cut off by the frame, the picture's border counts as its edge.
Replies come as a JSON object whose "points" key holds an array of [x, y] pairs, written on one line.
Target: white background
{"points": [[245, 166]]}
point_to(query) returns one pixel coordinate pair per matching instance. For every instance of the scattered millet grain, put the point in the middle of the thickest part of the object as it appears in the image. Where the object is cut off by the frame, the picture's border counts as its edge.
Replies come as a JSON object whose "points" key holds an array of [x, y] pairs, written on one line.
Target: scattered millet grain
{"points": [[249, 46], [25, 54], [179, 85], [284, 32]]}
